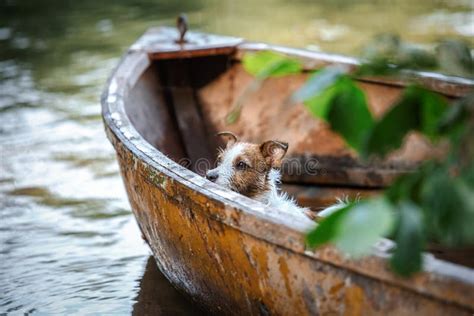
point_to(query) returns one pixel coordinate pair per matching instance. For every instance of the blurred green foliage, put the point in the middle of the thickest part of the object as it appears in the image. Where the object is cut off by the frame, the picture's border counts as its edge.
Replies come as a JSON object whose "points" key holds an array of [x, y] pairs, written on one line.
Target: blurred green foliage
{"points": [[387, 55], [432, 204]]}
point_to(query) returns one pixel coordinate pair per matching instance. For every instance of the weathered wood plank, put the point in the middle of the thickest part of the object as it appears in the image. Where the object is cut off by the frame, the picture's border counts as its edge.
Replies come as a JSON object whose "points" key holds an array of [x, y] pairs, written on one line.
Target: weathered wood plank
{"points": [[148, 112], [182, 96], [161, 43]]}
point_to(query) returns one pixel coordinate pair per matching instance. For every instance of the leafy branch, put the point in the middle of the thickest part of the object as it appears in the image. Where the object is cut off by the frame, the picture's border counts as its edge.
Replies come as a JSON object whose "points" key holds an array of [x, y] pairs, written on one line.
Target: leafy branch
{"points": [[432, 204]]}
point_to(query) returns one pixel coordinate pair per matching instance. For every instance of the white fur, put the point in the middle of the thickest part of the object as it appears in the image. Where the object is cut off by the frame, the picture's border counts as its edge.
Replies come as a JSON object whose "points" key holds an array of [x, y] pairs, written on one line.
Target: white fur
{"points": [[226, 168], [340, 203], [273, 197], [280, 200]]}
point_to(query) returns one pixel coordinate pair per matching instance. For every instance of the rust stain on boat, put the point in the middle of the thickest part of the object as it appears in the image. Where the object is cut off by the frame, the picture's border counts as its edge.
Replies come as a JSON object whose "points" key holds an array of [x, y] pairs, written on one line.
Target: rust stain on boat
{"points": [[285, 275]]}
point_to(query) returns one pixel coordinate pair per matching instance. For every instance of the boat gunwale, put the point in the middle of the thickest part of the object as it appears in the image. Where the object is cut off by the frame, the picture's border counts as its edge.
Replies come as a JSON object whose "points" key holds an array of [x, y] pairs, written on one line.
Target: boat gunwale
{"points": [[121, 131], [449, 85]]}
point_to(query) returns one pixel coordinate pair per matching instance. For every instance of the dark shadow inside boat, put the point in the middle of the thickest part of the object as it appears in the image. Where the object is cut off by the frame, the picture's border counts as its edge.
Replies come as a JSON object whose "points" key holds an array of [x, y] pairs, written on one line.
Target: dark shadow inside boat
{"points": [[163, 107], [158, 297]]}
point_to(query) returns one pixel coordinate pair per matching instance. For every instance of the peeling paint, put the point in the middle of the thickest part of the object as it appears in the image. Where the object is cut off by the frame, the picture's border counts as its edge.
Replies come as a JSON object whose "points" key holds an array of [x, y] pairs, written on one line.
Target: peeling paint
{"points": [[354, 297], [284, 272]]}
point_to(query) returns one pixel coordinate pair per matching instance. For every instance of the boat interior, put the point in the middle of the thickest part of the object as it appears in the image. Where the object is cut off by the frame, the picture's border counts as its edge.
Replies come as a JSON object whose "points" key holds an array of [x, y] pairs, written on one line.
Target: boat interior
{"points": [[179, 104]]}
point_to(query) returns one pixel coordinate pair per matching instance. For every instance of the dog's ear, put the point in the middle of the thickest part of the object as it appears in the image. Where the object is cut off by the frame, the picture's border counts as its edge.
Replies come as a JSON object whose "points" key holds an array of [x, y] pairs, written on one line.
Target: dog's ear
{"points": [[229, 138], [273, 151]]}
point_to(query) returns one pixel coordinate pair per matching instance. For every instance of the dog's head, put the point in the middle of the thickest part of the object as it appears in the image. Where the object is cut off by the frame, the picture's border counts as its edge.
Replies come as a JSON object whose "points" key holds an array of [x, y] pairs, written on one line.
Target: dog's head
{"points": [[245, 167]]}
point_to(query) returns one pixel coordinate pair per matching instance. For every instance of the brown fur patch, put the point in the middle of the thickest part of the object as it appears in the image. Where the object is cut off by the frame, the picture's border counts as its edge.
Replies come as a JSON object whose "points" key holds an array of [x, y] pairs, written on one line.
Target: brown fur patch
{"points": [[253, 179], [273, 151]]}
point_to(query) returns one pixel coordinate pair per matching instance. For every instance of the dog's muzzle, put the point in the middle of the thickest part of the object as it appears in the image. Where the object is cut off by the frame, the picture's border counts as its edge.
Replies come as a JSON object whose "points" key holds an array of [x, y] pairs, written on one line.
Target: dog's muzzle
{"points": [[212, 175]]}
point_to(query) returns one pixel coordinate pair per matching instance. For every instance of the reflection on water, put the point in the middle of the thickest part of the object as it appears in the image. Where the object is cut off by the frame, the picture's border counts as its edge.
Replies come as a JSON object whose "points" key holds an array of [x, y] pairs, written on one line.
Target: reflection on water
{"points": [[68, 241], [158, 297]]}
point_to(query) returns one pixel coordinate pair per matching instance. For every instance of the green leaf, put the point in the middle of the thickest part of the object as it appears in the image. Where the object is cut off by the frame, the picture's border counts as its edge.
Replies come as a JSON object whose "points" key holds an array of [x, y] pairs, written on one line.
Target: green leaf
{"points": [[376, 67], [453, 117], [409, 186], [432, 110], [412, 57], [363, 226], [389, 132], [355, 228], [418, 109], [327, 229], [335, 98], [254, 63], [349, 114], [266, 64], [280, 68], [468, 175], [320, 104], [449, 205], [465, 192], [387, 54], [453, 120], [409, 238], [317, 83]]}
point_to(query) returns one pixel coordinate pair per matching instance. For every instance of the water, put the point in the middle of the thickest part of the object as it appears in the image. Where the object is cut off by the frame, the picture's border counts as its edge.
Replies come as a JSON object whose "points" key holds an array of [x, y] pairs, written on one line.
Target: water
{"points": [[68, 241]]}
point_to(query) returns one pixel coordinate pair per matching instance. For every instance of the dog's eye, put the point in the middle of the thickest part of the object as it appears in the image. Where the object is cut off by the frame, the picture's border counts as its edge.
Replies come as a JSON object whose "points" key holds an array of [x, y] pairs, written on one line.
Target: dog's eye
{"points": [[242, 165]]}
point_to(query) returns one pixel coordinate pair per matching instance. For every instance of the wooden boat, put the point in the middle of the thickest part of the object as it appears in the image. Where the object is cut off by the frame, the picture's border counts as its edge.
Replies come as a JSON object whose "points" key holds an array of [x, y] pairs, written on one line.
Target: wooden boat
{"points": [[162, 106]]}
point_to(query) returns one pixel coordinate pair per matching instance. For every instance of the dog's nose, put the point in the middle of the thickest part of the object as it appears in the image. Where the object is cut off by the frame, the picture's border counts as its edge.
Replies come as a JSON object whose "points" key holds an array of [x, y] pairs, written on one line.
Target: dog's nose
{"points": [[211, 176]]}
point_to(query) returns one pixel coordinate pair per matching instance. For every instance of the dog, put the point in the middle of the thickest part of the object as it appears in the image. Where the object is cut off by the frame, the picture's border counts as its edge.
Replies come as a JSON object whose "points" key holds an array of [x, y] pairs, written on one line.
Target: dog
{"points": [[253, 170]]}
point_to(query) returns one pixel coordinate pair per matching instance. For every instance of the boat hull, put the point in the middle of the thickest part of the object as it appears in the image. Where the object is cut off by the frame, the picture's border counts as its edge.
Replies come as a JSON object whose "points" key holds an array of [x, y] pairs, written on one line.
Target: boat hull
{"points": [[200, 249], [232, 255]]}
